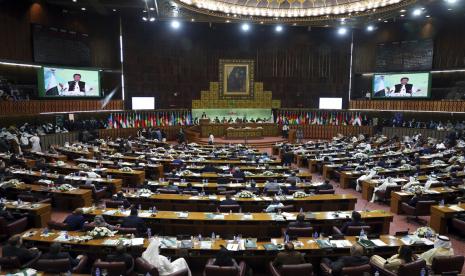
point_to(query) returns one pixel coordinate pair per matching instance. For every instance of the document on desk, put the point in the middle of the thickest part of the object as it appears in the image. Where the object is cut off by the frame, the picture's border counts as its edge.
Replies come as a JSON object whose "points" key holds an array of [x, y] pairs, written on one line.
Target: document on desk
{"points": [[205, 244], [378, 242], [456, 208], [341, 243]]}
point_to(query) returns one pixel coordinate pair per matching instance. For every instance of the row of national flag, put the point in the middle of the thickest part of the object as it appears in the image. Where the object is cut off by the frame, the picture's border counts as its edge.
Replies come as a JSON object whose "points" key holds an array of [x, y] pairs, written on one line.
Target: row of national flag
{"points": [[331, 118], [150, 119]]}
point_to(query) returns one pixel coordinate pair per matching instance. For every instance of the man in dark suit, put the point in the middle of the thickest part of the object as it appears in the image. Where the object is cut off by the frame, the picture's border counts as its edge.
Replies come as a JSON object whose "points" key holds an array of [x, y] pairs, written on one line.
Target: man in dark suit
{"points": [[228, 201], [238, 174], [14, 248], [355, 221], [288, 257], [300, 222], [120, 197], [253, 187], [133, 221], [120, 256], [4, 213], [356, 258], [75, 221], [325, 186], [288, 158], [209, 169], [56, 254]]}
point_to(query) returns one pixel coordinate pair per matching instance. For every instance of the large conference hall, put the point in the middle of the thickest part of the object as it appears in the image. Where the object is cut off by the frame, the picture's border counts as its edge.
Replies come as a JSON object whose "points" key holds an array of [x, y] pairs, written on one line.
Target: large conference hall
{"points": [[232, 137]]}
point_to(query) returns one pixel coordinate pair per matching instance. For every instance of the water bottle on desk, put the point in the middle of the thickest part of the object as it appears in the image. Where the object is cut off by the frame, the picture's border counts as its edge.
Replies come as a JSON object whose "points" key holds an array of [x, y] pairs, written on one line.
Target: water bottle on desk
{"points": [[441, 203], [97, 271], [213, 236], [423, 272], [315, 235], [377, 273]]}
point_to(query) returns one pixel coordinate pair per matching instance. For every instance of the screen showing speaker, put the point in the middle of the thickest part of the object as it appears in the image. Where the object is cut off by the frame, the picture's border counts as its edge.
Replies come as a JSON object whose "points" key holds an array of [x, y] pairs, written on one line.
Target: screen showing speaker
{"points": [[402, 85], [68, 82]]}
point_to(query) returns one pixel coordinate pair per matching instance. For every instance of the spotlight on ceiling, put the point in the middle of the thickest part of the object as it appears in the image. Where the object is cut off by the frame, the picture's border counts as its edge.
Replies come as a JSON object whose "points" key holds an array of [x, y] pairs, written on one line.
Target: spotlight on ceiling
{"points": [[416, 12], [451, 1], [245, 27], [144, 18], [152, 19], [175, 24], [83, 8], [370, 28], [278, 28], [342, 31]]}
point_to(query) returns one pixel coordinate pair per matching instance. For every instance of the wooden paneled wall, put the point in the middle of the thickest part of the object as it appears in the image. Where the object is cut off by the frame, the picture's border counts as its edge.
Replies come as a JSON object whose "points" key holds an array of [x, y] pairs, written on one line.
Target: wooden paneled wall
{"points": [[41, 106], [328, 132], [297, 66], [402, 131], [408, 105]]}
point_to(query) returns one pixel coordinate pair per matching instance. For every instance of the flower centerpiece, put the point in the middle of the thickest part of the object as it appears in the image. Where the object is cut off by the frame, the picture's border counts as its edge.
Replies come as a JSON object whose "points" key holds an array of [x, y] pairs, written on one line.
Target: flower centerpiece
{"points": [[248, 173], [60, 163], [299, 194], [185, 173], [126, 169], [117, 155], [101, 232], [142, 156], [12, 183], [268, 173], [424, 231], [65, 188], [245, 194], [144, 193], [83, 166]]}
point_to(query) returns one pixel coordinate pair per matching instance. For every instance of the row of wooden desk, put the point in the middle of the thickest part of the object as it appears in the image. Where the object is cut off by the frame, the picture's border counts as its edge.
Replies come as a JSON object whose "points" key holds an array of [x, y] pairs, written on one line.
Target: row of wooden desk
{"points": [[182, 202], [38, 213], [260, 225]]}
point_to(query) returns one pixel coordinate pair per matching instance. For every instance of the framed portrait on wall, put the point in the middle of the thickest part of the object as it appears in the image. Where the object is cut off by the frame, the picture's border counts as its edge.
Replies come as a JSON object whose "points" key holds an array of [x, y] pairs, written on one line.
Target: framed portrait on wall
{"points": [[236, 79]]}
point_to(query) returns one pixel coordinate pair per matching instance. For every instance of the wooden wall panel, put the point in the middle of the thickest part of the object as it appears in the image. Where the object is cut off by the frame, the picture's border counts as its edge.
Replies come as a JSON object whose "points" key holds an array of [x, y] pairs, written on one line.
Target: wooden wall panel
{"points": [[297, 66], [40, 106], [408, 105]]}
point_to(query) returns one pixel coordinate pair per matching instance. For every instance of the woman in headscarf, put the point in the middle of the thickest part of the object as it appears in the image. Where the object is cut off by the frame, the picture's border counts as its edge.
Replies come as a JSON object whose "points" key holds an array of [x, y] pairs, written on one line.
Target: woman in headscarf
{"points": [[164, 266], [99, 221], [442, 247]]}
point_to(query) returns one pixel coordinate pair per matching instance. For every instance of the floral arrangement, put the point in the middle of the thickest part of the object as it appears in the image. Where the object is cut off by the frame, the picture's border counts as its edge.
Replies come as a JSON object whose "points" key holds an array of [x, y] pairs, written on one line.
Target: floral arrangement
{"points": [[424, 231], [268, 173], [83, 166], [141, 156], [117, 155], [414, 188], [60, 163], [193, 144], [144, 192], [75, 148], [247, 173], [12, 183], [245, 194], [126, 169], [65, 188], [101, 232], [185, 173], [299, 194]]}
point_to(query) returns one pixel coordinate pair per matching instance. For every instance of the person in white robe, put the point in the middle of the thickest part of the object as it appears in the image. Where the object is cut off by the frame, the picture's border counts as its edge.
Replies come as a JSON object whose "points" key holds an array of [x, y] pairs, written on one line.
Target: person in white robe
{"points": [[388, 182], [367, 176], [35, 143], [162, 263], [442, 247], [410, 184]]}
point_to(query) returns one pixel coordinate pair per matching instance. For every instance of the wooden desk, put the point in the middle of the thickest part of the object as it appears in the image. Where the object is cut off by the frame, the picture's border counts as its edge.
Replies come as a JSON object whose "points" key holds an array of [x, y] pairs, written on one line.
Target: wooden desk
{"points": [[440, 215], [133, 178], [72, 154], [50, 156], [258, 256], [39, 213], [260, 225], [368, 186], [74, 199], [176, 202], [257, 177], [398, 197], [115, 184]]}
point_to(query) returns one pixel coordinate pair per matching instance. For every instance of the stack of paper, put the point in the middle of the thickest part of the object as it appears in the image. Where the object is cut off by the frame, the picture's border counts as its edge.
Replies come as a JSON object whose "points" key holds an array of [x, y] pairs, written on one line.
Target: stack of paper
{"points": [[378, 242], [205, 244], [456, 208], [341, 243], [111, 242]]}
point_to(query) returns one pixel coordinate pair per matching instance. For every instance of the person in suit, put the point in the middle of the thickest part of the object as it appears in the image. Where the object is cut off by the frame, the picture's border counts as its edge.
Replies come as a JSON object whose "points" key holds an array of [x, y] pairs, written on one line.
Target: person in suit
{"points": [[325, 186], [14, 248], [355, 221], [403, 89], [134, 221], [120, 255], [228, 201], [288, 257], [209, 168], [417, 197], [224, 258], [293, 178], [75, 221], [238, 174], [300, 222], [119, 196], [403, 256], [56, 254], [288, 158], [356, 258], [4, 213], [272, 185], [189, 188], [172, 187], [253, 187], [293, 188]]}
